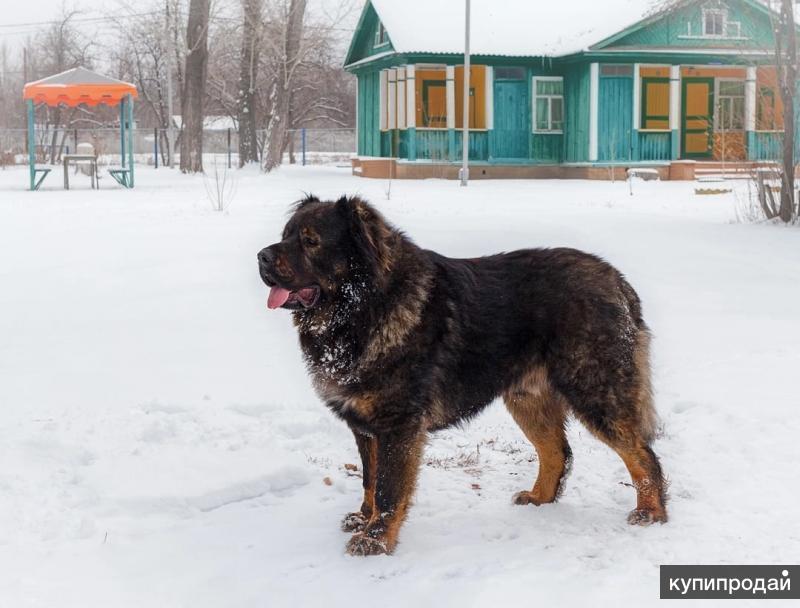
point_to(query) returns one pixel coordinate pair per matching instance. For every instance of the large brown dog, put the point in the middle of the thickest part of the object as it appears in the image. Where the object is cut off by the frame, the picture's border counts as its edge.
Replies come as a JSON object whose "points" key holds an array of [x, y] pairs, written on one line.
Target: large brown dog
{"points": [[401, 341]]}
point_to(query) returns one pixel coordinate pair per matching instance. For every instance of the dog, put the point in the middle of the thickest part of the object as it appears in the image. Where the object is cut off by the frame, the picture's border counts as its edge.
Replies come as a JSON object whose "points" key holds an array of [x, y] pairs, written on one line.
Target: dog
{"points": [[400, 341]]}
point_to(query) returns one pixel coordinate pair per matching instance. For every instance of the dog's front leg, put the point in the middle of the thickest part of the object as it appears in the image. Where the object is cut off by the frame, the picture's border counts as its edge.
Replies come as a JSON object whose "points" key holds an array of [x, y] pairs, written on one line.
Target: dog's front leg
{"points": [[368, 450], [399, 456]]}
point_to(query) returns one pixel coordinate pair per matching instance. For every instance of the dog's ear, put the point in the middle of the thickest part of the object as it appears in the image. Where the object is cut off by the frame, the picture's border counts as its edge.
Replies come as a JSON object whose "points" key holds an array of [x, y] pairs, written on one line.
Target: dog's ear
{"points": [[375, 238], [308, 199]]}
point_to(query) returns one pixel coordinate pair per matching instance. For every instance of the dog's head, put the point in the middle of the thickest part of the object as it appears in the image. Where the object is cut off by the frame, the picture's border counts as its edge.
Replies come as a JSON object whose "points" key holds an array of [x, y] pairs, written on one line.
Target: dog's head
{"points": [[325, 246]]}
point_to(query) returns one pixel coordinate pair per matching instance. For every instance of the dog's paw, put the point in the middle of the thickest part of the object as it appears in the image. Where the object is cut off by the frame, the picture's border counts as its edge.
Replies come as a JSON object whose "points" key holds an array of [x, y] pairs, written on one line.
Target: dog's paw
{"points": [[354, 522], [645, 517], [364, 544], [527, 498]]}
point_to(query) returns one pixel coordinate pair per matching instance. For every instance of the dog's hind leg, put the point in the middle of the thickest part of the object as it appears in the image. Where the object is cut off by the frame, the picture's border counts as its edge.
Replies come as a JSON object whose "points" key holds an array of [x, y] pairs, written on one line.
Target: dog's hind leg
{"points": [[368, 450], [541, 414], [621, 414]]}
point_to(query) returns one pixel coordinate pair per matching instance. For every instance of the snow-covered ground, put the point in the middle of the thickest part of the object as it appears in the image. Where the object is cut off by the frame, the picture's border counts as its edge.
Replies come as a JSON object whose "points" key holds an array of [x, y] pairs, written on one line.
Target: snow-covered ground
{"points": [[160, 444]]}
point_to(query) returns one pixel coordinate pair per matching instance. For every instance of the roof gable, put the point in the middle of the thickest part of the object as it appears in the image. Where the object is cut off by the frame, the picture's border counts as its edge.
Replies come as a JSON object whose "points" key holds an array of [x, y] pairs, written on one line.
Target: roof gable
{"points": [[365, 42], [513, 28], [746, 25]]}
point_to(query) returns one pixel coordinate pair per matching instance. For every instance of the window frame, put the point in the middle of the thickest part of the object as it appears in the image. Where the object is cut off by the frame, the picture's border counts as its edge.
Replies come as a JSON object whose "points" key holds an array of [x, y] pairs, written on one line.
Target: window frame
{"points": [[643, 115], [723, 14], [381, 37], [719, 100], [763, 92], [426, 118], [535, 96]]}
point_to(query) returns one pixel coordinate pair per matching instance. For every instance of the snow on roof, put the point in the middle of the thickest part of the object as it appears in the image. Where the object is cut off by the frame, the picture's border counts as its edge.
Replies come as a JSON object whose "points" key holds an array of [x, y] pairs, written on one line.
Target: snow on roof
{"points": [[507, 27], [79, 75]]}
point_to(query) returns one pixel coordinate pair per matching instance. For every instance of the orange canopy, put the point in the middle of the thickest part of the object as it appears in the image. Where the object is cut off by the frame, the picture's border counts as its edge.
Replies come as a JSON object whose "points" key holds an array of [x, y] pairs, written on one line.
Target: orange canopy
{"points": [[77, 86]]}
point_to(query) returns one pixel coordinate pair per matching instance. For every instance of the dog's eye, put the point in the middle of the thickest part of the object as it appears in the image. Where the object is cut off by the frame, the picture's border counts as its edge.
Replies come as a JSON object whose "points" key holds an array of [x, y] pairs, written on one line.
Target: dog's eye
{"points": [[309, 241]]}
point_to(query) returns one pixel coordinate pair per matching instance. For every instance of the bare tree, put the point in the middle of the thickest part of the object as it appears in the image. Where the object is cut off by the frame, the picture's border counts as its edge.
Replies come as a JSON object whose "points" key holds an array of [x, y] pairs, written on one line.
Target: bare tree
{"points": [[248, 73], [142, 58], [280, 94], [194, 86], [786, 60]]}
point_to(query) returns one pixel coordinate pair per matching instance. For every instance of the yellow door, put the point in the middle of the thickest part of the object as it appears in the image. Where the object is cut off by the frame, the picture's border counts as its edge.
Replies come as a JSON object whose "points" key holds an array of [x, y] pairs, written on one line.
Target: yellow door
{"points": [[698, 113]]}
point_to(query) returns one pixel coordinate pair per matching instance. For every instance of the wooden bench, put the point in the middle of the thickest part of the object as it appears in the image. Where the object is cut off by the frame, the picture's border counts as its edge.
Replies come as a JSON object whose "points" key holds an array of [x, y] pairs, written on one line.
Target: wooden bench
{"points": [[122, 176], [91, 159], [644, 173]]}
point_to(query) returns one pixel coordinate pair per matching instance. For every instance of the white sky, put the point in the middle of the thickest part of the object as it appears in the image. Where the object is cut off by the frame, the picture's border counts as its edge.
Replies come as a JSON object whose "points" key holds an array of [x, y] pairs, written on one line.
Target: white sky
{"points": [[17, 15]]}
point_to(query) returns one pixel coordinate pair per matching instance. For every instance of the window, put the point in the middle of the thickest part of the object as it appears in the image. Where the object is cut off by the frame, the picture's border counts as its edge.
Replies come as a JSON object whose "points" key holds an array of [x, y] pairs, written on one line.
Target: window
{"points": [[431, 96], [380, 36], [616, 70], [548, 104], [769, 105], [767, 116], [655, 104], [477, 97], [730, 105], [714, 22], [501, 73]]}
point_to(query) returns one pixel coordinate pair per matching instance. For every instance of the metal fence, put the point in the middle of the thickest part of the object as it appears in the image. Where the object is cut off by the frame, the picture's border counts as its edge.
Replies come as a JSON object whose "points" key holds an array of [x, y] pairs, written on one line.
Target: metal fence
{"points": [[304, 146]]}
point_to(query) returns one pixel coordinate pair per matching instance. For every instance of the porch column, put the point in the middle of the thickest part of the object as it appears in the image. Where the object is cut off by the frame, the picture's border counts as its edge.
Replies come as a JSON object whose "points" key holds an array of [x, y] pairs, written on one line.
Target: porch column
{"points": [[392, 100], [637, 114], [594, 91], [750, 110], [450, 73], [675, 110], [401, 98], [489, 94], [382, 85], [411, 112]]}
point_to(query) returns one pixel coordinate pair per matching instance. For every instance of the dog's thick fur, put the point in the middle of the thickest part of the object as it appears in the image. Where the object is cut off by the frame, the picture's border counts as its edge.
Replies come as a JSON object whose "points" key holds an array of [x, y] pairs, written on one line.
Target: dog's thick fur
{"points": [[401, 341]]}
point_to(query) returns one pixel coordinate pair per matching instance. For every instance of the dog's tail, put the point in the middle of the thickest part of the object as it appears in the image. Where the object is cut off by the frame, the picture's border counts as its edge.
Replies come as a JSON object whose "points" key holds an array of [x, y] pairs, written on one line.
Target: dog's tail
{"points": [[644, 395]]}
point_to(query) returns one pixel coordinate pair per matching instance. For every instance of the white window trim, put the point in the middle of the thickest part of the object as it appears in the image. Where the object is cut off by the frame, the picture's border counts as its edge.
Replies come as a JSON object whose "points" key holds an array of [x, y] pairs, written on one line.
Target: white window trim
{"points": [[715, 11], [718, 105], [534, 97]]}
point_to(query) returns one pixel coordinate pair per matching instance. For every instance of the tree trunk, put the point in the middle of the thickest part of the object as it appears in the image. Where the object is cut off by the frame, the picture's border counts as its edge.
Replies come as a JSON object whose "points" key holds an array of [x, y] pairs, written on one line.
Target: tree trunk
{"points": [[787, 74], [248, 70], [194, 85], [281, 90]]}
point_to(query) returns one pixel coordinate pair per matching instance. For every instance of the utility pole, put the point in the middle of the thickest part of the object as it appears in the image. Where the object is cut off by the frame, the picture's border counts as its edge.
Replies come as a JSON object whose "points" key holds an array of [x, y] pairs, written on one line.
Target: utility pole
{"points": [[465, 125], [170, 54]]}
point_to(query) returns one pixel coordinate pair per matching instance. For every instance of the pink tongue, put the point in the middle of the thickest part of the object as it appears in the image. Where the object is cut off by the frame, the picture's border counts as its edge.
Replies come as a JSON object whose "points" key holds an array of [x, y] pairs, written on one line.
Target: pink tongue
{"points": [[277, 297]]}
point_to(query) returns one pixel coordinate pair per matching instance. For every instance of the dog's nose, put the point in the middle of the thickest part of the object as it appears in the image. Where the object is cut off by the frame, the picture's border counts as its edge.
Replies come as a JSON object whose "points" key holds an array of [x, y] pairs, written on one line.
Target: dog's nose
{"points": [[266, 257]]}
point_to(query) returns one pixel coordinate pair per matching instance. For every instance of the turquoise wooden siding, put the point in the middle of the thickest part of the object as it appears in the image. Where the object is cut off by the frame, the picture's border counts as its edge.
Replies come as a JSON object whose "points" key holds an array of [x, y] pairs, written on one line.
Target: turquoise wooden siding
{"points": [[655, 146], [672, 30], [511, 120], [369, 140], [615, 118], [478, 145], [547, 147], [576, 113], [764, 146], [434, 145]]}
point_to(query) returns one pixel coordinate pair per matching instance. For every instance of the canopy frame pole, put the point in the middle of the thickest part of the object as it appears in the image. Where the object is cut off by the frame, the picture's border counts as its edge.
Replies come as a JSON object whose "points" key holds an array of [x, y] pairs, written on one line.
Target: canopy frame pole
{"points": [[122, 131], [129, 106], [31, 143]]}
